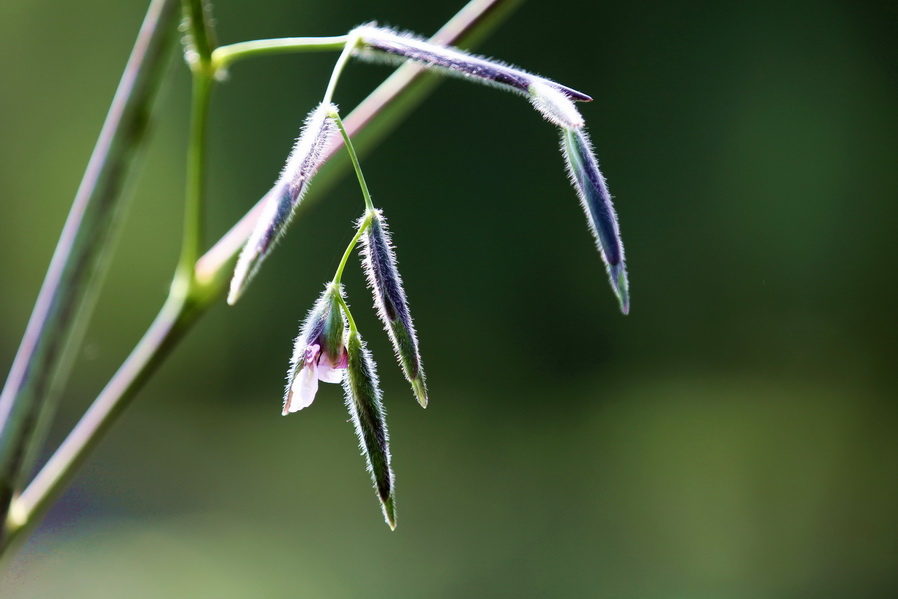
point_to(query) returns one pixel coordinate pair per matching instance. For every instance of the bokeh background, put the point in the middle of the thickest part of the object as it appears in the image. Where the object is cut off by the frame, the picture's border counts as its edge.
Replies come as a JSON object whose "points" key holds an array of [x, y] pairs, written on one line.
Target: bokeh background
{"points": [[733, 437]]}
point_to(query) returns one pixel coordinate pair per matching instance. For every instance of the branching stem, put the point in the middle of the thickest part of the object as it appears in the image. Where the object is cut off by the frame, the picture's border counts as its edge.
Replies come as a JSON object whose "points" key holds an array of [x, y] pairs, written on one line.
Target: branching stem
{"points": [[363, 226]]}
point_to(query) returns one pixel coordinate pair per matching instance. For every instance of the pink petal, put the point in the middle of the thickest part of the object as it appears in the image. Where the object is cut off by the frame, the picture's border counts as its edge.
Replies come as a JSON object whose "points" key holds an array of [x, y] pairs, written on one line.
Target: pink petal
{"points": [[328, 371], [304, 388]]}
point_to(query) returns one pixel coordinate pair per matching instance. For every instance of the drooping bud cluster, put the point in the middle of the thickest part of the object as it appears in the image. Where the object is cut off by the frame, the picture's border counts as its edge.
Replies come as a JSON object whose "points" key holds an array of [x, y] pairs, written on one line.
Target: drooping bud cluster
{"points": [[329, 347], [379, 261], [553, 100]]}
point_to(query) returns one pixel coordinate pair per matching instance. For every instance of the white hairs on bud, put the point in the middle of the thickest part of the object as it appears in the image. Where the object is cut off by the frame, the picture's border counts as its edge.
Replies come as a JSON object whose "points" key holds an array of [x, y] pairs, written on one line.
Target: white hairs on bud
{"points": [[386, 45], [281, 200], [365, 405], [555, 106]]}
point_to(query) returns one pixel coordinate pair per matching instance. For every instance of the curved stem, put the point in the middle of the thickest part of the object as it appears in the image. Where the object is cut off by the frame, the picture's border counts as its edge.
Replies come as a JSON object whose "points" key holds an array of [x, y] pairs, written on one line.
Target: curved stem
{"points": [[350, 149], [351, 42], [352, 327], [369, 205], [225, 56], [363, 226]]}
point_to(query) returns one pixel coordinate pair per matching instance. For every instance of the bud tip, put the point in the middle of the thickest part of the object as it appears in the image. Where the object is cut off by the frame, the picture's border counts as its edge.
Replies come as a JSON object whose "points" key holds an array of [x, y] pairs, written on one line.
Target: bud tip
{"points": [[420, 390], [621, 286], [390, 512]]}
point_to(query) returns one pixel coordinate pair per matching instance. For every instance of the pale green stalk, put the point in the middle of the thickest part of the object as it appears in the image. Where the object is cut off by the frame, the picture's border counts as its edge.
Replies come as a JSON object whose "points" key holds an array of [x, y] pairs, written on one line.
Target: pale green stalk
{"points": [[369, 205], [352, 327], [225, 56], [348, 251], [351, 42], [350, 149]]}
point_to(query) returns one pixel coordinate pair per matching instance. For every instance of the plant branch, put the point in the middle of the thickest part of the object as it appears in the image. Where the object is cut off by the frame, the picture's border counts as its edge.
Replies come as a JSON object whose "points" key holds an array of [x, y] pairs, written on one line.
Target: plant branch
{"points": [[225, 56], [171, 323], [350, 149], [66, 296]]}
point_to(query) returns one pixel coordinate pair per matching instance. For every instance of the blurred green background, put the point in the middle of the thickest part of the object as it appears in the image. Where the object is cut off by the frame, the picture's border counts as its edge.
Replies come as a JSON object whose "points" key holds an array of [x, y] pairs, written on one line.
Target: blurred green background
{"points": [[733, 437]]}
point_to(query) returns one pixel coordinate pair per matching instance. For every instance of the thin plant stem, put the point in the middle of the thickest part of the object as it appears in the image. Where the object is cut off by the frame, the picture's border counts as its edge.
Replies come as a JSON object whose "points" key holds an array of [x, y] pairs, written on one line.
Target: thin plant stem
{"points": [[210, 281], [224, 56], [350, 149], [196, 158], [369, 205], [66, 297], [344, 57], [352, 327], [363, 226]]}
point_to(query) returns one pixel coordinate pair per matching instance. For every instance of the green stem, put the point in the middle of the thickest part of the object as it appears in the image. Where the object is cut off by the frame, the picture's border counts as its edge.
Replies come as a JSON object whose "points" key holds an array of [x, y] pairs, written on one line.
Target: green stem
{"points": [[363, 226], [225, 56], [369, 205], [355, 160], [352, 328], [196, 159], [66, 296], [351, 42]]}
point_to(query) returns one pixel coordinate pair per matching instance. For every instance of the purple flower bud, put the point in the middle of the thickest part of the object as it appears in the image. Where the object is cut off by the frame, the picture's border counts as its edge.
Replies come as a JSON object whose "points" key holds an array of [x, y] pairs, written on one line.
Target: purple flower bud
{"points": [[596, 201], [318, 353], [385, 44], [379, 261], [281, 201], [363, 400]]}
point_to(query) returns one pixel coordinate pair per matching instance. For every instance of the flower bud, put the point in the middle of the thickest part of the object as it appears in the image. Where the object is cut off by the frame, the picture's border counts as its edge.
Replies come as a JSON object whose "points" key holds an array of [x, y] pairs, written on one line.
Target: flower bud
{"points": [[281, 201], [379, 261], [319, 353], [385, 44], [596, 201], [363, 400]]}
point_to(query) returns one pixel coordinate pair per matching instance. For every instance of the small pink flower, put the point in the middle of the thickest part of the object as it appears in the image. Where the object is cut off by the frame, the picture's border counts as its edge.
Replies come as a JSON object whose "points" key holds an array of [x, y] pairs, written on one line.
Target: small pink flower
{"points": [[319, 353], [316, 366]]}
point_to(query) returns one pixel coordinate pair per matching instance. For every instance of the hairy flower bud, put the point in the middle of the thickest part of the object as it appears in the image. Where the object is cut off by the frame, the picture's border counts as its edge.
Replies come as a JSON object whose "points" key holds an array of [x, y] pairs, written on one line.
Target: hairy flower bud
{"points": [[319, 353], [363, 400], [379, 261], [378, 43], [596, 201], [281, 201]]}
